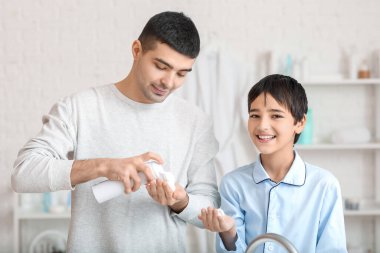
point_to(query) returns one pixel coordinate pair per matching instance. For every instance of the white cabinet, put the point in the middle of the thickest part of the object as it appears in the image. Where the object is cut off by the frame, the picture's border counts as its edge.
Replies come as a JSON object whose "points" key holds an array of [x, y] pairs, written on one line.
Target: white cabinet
{"points": [[30, 220], [339, 106]]}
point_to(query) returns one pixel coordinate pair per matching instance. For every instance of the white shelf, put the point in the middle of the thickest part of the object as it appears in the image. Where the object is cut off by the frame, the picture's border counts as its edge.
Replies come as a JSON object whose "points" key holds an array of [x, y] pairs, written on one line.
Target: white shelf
{"points": [[330, 146], [368, 209], [28, 215], [362, 213], [369, 81]]}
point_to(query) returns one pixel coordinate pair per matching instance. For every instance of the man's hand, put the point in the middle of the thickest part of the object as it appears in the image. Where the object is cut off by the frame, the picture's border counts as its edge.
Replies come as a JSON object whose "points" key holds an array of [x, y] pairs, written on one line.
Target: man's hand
{"points": [[160, 191], [120, 169]]}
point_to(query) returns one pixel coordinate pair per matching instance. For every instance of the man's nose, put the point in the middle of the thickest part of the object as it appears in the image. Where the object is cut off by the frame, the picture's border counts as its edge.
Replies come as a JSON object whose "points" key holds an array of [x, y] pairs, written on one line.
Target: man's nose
{"points": [[168, 80]]}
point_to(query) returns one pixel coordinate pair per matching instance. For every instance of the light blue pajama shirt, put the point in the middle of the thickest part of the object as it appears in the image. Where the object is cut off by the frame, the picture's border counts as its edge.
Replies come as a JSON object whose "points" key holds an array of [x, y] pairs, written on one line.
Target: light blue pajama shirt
{"points": [[305, 207]]}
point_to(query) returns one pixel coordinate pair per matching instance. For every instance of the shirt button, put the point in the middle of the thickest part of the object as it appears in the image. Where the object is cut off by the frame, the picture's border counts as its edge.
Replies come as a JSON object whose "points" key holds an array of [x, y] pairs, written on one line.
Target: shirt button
{"points": [[270, 247]]}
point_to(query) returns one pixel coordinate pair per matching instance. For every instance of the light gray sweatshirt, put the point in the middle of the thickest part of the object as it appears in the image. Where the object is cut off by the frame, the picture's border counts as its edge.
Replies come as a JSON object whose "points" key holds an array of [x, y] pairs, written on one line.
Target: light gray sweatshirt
{"points": [[103, 123]]}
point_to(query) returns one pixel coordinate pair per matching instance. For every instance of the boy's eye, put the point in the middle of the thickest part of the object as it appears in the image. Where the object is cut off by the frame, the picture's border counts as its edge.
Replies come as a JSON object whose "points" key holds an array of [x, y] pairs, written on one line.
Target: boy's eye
{"points": [[276, 116], [254, 116]]}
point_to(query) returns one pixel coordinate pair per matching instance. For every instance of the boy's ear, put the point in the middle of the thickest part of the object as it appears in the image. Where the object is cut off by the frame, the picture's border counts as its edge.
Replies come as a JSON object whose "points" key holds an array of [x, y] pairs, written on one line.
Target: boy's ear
{"points": [[300, 125]]}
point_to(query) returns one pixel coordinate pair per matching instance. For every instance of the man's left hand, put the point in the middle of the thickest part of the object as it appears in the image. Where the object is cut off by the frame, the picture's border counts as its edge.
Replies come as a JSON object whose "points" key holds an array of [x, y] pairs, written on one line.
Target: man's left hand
{"points": [[160, 191]]}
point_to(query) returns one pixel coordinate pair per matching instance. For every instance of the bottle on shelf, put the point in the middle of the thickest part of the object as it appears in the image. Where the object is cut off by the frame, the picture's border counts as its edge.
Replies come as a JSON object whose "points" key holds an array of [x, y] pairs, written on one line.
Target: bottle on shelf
{"points": [[364, 70], [46, 202], [307, 133]]}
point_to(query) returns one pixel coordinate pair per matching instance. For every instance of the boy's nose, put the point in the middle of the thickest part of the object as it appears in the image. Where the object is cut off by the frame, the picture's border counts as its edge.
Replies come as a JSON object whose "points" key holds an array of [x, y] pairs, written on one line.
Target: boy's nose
{"points": [[264, 124]]}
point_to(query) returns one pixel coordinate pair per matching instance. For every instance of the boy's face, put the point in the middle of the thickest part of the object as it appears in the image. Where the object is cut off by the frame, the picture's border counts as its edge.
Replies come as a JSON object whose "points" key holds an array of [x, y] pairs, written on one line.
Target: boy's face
{"points": [[271, 126], [158, 72]]}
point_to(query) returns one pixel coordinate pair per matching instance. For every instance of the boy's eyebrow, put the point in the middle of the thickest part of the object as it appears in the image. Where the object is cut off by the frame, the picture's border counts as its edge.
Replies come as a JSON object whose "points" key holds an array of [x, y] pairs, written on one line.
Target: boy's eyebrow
{"points": [[169, 65], [271, 110], [276, 110]]}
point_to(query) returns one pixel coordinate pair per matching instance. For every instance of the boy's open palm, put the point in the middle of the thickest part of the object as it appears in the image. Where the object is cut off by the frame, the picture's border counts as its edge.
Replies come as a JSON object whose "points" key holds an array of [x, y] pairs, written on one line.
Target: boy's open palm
{"points": [[214, 221]]}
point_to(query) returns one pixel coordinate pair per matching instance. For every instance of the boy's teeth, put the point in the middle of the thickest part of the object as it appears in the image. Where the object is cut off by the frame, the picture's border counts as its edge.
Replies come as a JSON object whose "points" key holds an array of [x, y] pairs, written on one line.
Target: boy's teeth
{"points": [[266, 136]]}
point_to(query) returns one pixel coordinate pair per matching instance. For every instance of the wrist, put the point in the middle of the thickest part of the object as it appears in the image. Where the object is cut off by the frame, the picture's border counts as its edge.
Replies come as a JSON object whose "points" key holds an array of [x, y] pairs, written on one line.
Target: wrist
{"points": [[180, 205], [231, 233], [85, 170], [100, 167], [229, 238]]}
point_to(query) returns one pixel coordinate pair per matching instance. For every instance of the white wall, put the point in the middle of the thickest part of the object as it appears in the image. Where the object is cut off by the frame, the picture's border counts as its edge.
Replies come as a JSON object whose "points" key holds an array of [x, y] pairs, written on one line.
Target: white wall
{"points": [[51, 48]]}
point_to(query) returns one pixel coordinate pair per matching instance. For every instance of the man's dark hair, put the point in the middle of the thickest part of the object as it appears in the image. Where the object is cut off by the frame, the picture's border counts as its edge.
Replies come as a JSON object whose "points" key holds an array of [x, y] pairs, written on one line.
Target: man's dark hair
{"points": [[174, 29], [286, 91]]}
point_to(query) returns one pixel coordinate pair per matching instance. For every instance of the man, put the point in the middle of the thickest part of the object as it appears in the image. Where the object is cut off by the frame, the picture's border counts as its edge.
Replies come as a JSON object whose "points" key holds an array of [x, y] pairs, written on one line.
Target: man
{"points": [[110, 131]]}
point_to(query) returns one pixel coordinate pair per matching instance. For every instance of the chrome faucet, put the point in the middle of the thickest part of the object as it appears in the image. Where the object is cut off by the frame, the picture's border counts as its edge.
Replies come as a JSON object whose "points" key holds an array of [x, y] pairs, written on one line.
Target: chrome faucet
{"points": [[271, 237]]}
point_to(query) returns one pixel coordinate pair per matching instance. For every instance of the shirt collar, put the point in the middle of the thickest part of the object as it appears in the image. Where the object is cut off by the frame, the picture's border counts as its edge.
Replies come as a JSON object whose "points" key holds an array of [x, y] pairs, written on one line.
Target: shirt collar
{"points": [[295, 176]]}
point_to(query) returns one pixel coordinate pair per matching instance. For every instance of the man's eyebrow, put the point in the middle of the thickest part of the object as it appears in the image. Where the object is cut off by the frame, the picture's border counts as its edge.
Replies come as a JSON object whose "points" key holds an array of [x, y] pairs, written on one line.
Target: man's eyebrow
{"points": [[170, 66]]}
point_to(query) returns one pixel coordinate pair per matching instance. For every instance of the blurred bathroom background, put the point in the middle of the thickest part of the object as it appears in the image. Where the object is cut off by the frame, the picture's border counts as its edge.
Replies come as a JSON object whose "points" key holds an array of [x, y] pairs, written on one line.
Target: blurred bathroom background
{"points": [[50, 49]]}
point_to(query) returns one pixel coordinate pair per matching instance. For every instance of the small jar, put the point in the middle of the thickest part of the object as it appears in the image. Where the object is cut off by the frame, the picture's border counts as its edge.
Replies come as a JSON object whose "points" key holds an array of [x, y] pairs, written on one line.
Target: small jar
{"points": [[364, 70]]}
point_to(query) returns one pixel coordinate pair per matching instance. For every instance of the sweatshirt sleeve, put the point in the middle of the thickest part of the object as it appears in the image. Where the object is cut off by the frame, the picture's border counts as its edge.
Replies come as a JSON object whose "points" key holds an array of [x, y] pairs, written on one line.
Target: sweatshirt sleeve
{"points": [[202, 185], [44, 163]]}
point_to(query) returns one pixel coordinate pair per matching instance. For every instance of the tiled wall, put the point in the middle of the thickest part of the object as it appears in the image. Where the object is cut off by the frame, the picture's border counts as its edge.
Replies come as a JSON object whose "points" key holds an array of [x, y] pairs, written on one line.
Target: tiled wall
{"points": [[51, 48]]}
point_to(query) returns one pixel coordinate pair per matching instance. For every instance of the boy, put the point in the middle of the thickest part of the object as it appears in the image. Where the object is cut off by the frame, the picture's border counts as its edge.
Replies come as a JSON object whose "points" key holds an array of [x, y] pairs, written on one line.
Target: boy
{"points": [[279, 193]]}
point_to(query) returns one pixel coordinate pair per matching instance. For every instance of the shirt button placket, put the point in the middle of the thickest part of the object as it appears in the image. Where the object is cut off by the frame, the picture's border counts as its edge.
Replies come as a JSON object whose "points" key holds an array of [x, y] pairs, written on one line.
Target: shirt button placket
{"points": [[272, 212], [269, 246]]}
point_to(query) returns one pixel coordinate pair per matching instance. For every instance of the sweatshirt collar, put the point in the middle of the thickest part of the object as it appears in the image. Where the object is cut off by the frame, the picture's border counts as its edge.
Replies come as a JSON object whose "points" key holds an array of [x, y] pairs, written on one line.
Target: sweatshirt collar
{"points": [[136, 104]]}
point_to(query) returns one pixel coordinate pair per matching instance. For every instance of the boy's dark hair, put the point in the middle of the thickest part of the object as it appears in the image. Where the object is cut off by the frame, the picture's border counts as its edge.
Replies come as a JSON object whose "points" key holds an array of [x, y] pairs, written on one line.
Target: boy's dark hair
{"points": [[286, 91], [174, 29]]}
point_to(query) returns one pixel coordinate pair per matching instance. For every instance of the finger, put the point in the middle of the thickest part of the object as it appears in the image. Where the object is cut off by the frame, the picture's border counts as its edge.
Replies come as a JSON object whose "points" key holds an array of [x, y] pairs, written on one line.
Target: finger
{"points": [[143, 168], [208, 220], [152, 190], [127, 185], [216, 221], [210, 216], [161, 192], [152, 156], [221, 223], [179, 192], [168, 191], [135, 181], [204, 217], [200, 216]]}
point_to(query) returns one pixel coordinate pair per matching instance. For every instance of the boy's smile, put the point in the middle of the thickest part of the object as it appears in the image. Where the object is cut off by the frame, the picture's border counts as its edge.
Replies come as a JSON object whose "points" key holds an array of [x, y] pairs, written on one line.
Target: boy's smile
{"points": [[265, 138]]}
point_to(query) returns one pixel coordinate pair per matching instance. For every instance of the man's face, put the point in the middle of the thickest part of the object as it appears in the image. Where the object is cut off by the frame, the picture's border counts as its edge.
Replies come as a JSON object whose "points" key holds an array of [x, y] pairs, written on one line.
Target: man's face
{"points": [[158, 72]]}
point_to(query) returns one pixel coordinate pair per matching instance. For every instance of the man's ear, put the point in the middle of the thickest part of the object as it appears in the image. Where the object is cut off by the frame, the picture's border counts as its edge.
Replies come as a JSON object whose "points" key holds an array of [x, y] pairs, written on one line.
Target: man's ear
{"points": [[300, 125], [136, 49]]}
